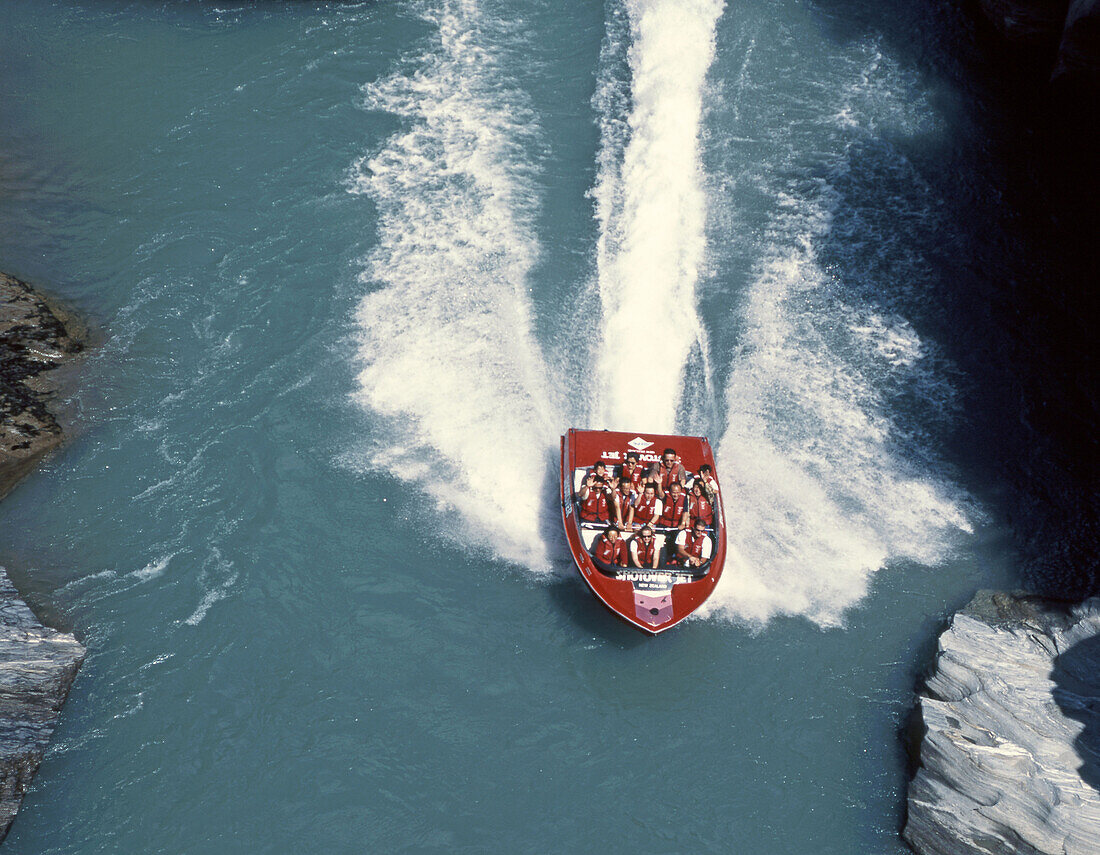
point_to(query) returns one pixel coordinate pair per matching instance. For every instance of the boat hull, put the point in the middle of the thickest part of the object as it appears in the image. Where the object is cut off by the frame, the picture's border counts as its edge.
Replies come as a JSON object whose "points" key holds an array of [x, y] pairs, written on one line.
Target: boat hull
{"points": [[651, 600]]}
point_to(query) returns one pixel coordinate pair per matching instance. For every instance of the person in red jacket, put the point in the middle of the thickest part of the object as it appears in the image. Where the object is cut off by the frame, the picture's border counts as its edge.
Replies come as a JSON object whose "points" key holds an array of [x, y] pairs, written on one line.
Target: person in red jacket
{"points": [[610, 548], [693, 547], [675, 513], [647, 507], [633, 471], [705, 478], [643, 549], [624, 495], [700, 506], [666, 470], [596, 499]]}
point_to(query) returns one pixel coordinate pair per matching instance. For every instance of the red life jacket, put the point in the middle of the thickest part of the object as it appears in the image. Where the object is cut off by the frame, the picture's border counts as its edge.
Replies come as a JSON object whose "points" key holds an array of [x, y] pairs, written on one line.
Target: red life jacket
{"points": [[626, 498], [611, 553], [701, 509], [635, 477], [594, 508], [645, 511], [645, 553], [666, 478], [674, 510], [694, 545]]}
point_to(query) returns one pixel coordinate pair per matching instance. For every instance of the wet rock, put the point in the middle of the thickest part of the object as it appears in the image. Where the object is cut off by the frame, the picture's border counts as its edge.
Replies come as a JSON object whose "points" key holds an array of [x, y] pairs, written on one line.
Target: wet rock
{"points": [[37, 664], [35, 339], [37, 667], [1078, 60], [1008, 732], [1032, 23]]}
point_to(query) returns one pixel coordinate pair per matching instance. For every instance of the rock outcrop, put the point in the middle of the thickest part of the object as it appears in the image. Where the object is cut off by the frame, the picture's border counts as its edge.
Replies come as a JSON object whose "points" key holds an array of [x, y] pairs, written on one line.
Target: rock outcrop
{"points": [[37, 664], [35, 338], [1079, 50], [37, 667], [1008, 732], [1065, 31]]}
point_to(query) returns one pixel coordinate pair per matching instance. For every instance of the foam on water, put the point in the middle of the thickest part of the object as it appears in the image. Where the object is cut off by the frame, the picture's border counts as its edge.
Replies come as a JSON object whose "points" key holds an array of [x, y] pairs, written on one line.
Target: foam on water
{"points": [[651, 208], [450, 365], [817, 496], [824, 481]]}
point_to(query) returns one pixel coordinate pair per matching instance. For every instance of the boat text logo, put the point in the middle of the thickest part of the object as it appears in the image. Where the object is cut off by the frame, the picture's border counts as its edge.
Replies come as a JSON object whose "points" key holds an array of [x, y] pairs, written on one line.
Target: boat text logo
{"points": [[639, 444]]}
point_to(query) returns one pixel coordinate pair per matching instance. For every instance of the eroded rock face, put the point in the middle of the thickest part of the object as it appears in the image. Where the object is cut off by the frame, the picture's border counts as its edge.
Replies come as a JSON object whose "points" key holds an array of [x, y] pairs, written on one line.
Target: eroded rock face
{"points": [[34, 340], [1009, 723], [37, 664], [37, 667], [1079, 52], [1026, 22]]}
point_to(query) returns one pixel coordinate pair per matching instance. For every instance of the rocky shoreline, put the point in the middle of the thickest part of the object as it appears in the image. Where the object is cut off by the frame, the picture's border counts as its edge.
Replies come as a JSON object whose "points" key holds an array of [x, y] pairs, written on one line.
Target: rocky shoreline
{"points": [[1006, 735], [37, 663]]}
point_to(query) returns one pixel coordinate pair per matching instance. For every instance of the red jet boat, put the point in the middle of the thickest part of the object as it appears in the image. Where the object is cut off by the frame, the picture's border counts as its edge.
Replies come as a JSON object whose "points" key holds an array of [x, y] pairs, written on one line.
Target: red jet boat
{"points": [[652, 599]]}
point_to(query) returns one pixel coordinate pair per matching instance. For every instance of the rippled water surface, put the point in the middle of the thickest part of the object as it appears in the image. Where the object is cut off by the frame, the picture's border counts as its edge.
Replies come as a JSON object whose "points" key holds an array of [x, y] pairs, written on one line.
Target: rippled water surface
{"points": [[357, 267]]}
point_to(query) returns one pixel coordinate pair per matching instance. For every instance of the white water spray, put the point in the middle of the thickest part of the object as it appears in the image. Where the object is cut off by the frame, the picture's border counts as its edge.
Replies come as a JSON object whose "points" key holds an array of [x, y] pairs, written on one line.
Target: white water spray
{"points": [[449, 358], [651, 211]]}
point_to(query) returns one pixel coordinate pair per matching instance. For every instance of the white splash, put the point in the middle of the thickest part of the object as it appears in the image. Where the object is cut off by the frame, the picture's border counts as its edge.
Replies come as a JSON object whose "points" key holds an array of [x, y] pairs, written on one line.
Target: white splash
{"points": [[817, 495], [153, 568], [449, 359], [651, 210]]}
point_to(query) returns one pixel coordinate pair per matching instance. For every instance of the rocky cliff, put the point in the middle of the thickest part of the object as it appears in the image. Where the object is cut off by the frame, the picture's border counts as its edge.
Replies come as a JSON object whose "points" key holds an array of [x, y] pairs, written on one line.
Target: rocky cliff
{"points": [[37, 664], [37, 667], [35, 340], [1007, 732], [1063, 34]]}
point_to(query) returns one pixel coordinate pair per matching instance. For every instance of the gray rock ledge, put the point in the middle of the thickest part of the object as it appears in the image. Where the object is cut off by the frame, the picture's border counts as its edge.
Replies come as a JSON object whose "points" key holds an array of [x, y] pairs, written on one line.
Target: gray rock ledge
{"points": [[37, 667], [36, 339], [37, 664], [1008, 732]]}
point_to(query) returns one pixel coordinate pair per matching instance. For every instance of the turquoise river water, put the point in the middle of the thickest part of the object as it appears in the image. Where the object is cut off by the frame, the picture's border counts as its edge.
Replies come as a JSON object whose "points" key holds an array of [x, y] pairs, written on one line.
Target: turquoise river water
{"points": [[356, 267]]}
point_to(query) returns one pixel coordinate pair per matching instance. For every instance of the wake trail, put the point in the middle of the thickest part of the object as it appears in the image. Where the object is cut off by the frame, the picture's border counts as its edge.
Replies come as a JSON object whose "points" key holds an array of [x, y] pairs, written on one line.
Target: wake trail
{"points": [[827, 472], [650, 207], [449, 363]]}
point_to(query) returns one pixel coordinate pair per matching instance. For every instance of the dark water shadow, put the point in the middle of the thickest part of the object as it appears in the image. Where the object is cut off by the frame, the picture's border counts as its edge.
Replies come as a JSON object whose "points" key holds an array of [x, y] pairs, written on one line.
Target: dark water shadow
{"points": [[1077, 693], [568, 591], [1010, 298], [591, 618]]}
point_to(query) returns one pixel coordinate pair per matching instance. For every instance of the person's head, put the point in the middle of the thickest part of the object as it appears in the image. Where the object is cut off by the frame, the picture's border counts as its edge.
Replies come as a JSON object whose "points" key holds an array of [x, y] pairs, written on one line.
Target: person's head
{"points": [[706, 470], [600, 468], [646, 533], [700, 527], [675, 487], [650, 490], [697, 489], [612, 534], [668, 456]]}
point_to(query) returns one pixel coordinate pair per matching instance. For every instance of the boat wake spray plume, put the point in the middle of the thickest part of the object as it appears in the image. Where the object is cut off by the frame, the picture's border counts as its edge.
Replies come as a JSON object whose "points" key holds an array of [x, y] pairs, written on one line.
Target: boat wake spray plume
{"points": [[650, 206], [450, 366]]}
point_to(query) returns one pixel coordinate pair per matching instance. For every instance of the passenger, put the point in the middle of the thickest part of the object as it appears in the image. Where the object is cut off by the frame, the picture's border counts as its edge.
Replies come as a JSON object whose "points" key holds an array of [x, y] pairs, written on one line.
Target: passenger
{"points": [[666, 470], [647, 507], [693, 547], [700, 506], [611, 549], [706, 479], [596, 499], [675, 514], [643, 549], [599, 469], [633, 470], [624, 495]]}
